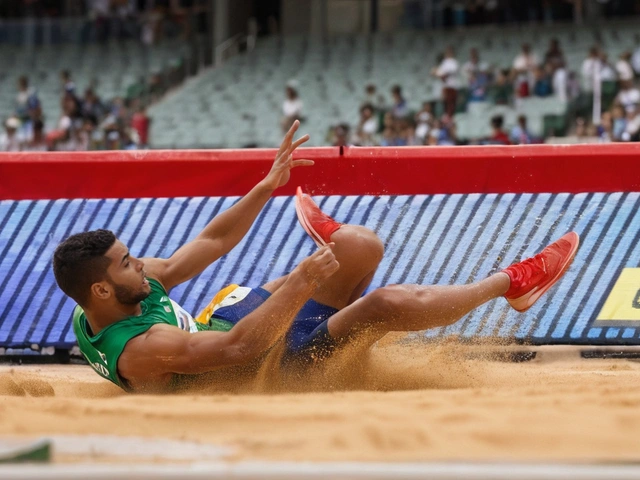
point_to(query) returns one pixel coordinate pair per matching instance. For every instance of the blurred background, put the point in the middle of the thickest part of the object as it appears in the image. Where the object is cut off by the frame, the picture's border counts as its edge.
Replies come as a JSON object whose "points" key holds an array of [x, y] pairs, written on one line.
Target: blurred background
{"points": [[134, 74]]}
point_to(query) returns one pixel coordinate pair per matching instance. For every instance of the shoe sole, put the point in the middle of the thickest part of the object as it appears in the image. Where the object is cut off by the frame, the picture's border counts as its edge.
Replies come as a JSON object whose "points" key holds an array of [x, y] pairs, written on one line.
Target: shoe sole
{"points": [[302, 218], [524, 303]]}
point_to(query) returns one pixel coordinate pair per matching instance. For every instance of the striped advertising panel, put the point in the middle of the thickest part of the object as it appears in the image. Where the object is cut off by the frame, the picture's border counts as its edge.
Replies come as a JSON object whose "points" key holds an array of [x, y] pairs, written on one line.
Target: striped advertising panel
{"points": [[429, 239]]}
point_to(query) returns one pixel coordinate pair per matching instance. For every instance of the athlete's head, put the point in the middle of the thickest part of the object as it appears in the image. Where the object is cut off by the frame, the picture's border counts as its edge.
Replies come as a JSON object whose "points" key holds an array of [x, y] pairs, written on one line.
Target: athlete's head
{"points": [[96, 267]]}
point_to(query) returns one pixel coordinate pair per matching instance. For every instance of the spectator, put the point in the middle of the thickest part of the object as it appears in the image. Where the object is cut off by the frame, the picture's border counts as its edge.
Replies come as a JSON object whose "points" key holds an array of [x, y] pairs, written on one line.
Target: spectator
{"points": [[591, 68], [478, 87], [390, 137], [573, 86], [80, 139], [447, 72], [9, 140], [619, 122], [632, 129], [500, 91], [434, 134], [477, 77], [38, 142], [607, 72], [367, 127], [112, 139], [399, 108], [474, 67], [26, 100], [520, 134], [63, 138], [140, 123], [498, 136], [67, 83], [628, 96], [405, 132], [542, 84], [554, 54], [443, 133], [580, 130], [605, 129], [291, 107], [424, 119], [340, 135], [524, 66], [559, 81], [373, 98], [623, 67], [91, 105], [447, 135]]}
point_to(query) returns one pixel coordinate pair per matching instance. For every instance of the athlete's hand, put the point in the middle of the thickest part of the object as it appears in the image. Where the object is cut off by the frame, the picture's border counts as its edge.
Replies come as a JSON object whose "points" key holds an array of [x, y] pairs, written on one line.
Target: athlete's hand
{"points": [[319, 266], [284, 162]]}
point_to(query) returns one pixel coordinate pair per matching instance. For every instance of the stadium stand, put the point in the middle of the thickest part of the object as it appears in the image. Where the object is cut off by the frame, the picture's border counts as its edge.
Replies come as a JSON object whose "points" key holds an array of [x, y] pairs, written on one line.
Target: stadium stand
{"points": [[111, 70], [239, 104]]}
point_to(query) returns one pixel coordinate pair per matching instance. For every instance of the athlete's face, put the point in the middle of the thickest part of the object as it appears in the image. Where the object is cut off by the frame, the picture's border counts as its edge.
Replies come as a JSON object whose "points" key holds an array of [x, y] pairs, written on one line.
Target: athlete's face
{"points": [[126, 276]]}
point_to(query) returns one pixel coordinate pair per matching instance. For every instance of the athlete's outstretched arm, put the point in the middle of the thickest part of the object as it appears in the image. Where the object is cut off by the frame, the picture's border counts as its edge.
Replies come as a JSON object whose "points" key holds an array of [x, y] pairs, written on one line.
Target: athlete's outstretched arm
{"points": [[227, 229], [149, 360]]}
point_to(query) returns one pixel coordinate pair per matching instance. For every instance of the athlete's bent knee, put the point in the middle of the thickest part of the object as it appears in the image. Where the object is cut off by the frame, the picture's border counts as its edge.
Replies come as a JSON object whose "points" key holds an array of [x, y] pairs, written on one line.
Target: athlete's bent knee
{"points": [[386, 301]]}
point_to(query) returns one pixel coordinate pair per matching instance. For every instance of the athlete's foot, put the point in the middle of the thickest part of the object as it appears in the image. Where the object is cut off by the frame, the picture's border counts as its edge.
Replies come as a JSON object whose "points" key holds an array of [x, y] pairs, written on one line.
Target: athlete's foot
{"points": [[317, 224], [534, 276]]}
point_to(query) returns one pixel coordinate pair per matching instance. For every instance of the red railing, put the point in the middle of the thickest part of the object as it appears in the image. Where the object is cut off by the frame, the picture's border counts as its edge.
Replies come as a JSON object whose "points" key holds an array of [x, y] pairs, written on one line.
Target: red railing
{"points": [[338, 171]]}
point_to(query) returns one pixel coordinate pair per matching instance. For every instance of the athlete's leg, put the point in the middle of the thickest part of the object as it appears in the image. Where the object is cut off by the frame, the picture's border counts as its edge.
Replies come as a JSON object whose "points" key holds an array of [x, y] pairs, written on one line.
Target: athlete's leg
{"points": [[358, 251], [415, 307]]}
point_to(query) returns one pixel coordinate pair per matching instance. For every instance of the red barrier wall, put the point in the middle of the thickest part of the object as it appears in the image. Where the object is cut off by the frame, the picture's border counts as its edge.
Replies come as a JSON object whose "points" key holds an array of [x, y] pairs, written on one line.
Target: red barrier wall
{"points": [[348, 171]]}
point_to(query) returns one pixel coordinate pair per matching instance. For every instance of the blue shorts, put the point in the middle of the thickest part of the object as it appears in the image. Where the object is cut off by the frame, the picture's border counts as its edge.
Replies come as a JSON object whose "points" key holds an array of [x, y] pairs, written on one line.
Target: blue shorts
{"points": [[308, 338]]}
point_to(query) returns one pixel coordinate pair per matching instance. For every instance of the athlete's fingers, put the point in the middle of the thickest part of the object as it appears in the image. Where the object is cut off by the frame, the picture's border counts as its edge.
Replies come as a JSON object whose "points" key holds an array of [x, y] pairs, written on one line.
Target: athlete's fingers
{"points": [[322, 254], [286, 142], [331, 267], [326, 254], [298, 142], [302, 162]]}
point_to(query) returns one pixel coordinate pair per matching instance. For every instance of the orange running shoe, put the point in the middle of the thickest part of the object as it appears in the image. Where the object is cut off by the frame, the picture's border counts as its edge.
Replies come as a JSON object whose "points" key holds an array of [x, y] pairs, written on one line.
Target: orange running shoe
{"points": [[317, 224], [534, 276]]}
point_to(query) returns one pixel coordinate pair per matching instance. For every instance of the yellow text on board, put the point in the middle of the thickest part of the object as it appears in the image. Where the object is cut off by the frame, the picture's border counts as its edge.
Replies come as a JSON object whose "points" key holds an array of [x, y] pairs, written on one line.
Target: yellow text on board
{"points": [[623, 303]]}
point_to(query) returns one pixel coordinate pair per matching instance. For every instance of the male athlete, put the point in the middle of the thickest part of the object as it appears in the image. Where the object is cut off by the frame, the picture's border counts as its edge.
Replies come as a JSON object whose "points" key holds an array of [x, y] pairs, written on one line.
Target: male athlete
{"points": [[133, 334]]}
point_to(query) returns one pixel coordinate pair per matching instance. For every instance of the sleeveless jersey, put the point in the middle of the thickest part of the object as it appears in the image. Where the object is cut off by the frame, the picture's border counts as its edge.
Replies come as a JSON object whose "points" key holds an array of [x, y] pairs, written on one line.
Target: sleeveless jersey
{"points": [[103, 350]]}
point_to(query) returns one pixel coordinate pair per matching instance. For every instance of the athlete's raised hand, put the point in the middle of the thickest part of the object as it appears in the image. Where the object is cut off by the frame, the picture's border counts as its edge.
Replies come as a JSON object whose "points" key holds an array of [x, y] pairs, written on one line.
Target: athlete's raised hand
{"points": [[284, 162]]}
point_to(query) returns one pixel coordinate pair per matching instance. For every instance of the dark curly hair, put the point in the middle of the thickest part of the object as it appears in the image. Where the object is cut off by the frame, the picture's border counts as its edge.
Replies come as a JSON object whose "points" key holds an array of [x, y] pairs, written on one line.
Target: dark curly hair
{"points": [[80, 261]]}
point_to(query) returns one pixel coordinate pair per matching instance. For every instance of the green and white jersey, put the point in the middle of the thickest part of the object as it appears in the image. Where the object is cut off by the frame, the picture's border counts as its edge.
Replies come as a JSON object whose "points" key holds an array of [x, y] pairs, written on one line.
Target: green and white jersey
{"points": [[103, 350]]}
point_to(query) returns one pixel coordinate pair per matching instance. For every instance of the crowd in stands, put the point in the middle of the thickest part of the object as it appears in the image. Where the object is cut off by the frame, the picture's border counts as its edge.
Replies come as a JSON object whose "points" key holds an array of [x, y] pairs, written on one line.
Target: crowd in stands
{"points": [[89, 122], [395, 124], [86, 122]]}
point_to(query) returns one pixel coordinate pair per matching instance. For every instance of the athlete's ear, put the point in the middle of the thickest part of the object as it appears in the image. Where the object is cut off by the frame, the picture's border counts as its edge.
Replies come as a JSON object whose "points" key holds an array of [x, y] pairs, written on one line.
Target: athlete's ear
{"points": [[101, 290]]}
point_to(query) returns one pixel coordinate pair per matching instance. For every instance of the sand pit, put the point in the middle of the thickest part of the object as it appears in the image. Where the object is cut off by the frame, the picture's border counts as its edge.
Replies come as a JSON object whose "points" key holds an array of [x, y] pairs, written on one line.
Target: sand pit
{"points": [[404, 402]]}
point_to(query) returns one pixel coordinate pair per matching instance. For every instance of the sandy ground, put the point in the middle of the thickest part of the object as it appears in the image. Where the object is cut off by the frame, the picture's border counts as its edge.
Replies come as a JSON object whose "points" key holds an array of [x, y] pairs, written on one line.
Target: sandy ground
{"points": [[403, 402]]}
